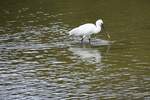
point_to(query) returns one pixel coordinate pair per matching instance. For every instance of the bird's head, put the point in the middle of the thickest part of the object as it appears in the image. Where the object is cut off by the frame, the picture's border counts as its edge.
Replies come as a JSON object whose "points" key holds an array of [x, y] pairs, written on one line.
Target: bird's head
{"points": [[100, 22]]}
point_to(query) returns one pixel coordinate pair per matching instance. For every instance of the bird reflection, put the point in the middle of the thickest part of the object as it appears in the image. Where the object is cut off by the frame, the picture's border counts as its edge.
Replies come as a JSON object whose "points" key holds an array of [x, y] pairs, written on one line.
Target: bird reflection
{"points": [[87, 54]]}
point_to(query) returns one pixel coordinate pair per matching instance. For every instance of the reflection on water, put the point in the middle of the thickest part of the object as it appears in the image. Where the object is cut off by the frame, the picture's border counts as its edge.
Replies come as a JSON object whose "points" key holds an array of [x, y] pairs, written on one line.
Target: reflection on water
{"points": [[87, 54]]}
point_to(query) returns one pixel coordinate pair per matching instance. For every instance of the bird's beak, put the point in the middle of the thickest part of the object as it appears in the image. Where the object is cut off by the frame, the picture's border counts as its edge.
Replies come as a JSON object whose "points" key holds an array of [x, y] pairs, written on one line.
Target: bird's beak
{"points": [[108, 35], [105, 32]]}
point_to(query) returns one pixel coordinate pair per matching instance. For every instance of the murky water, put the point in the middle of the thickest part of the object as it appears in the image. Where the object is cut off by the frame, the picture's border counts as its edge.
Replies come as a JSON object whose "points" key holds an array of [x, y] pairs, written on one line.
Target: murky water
{"points": [[39, 62]]}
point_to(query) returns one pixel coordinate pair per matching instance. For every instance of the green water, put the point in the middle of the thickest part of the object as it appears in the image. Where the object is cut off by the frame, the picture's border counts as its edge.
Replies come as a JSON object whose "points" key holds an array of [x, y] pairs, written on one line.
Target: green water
{"points": [[39, 62]]}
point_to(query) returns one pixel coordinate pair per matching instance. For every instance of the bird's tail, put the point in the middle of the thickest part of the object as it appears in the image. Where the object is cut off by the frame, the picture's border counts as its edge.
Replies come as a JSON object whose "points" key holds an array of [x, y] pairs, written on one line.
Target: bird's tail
{"points": [[73, 32], [70, 33]]}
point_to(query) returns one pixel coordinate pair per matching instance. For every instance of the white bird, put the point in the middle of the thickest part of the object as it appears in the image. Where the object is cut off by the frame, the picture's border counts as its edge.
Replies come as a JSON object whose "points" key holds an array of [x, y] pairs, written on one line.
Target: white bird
{"points": [[86, 30]]}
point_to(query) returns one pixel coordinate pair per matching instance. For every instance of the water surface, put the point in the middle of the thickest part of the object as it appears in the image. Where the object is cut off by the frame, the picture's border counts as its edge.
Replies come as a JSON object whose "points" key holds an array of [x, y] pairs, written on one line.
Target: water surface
{"points": [[38, 61]]}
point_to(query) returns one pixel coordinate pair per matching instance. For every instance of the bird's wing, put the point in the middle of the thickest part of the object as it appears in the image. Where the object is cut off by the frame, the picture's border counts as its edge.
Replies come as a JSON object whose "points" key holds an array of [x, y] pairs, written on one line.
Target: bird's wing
{"points": [[73, 31], [87, 28], [82, 30]]}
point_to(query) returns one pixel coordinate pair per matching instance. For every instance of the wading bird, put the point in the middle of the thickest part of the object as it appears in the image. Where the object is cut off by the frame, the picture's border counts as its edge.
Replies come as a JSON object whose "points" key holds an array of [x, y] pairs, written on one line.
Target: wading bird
{"points": [[86, 30]]}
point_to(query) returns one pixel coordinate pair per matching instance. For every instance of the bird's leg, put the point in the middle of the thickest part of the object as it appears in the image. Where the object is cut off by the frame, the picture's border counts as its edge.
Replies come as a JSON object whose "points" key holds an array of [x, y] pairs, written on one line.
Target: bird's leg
{"points": [[82, 40], [89, 38]]}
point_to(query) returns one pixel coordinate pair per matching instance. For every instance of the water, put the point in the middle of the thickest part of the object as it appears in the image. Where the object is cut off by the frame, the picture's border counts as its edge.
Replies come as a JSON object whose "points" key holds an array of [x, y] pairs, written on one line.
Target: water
{"points": [[39, 62]]}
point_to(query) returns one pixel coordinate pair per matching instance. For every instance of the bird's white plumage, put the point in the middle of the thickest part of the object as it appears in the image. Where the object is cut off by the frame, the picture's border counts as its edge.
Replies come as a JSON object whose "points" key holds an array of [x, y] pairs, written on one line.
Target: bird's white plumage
{"points": [[87, 29]]}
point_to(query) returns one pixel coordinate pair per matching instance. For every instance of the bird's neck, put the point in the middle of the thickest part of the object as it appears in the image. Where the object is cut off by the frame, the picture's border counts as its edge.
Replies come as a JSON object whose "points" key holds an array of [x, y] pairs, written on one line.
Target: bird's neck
{"points": [[98, 28]]}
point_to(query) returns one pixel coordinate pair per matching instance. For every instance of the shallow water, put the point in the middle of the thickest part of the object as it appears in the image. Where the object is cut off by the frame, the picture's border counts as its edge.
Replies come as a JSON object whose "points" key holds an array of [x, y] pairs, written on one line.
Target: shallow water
{"points": [[38, 61]]}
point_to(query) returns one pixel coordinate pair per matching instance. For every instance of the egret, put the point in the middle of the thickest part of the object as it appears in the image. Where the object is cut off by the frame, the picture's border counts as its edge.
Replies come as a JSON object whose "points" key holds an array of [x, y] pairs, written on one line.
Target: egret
{"points": [[86, 30]]}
